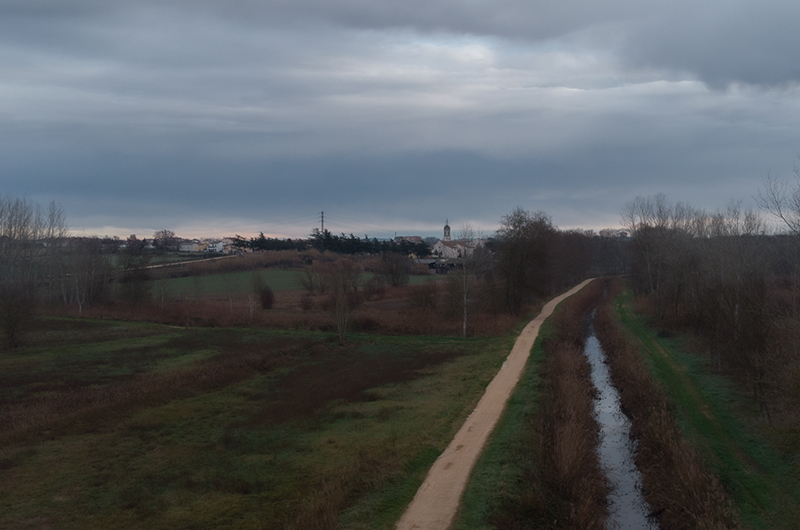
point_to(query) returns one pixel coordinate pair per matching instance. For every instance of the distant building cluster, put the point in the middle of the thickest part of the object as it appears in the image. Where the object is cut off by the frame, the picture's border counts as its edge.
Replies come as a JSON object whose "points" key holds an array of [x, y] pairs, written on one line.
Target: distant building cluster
{"points": [[448, 249], [224, 246], [445, 248]]}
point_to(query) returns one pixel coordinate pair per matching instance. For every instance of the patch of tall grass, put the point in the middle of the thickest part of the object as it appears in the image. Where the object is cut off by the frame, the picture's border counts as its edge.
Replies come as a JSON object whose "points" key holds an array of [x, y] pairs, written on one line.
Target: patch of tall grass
{"points": [[540, 468]]}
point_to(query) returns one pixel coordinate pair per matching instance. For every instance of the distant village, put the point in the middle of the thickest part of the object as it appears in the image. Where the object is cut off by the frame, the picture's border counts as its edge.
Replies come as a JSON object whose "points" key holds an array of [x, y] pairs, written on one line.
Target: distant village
{"points": [[446, 247]]}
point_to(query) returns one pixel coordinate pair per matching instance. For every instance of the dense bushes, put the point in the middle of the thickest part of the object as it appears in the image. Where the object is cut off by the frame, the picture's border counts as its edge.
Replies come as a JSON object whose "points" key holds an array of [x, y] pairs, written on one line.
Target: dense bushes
{"points": [[16, 314]]}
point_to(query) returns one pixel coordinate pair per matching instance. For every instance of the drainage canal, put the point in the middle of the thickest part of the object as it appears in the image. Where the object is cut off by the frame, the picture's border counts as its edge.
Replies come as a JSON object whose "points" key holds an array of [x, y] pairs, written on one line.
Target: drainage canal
{"points": [[627, 507]]}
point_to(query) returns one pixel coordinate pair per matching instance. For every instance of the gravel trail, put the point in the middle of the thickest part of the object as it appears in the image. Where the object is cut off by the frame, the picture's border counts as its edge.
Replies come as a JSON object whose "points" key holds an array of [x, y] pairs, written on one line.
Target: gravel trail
{"points": [[436, 501]]}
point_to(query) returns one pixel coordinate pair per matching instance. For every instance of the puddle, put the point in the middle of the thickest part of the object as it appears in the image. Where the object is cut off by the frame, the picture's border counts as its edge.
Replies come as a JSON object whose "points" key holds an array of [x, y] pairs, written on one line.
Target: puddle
{"points": [[627, 507]]}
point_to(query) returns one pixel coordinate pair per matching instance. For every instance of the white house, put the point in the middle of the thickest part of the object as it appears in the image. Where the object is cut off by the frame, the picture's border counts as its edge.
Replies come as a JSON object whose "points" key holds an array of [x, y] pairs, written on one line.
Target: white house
{"points": [[224, 246], [190, 246]]}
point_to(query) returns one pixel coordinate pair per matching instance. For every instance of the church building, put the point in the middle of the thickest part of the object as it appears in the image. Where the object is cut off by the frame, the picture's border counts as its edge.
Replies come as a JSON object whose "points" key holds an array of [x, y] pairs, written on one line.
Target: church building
{"points": [[448, 249]]}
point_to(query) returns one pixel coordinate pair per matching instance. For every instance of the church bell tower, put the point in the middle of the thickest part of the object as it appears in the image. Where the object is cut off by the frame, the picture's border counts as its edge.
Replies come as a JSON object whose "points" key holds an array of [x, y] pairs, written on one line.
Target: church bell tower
{"points": [[446, 230]]}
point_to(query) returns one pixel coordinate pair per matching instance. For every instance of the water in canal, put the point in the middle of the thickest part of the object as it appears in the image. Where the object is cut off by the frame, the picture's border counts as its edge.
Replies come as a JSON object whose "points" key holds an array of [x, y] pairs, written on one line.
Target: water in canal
{"points": [[627, 507]]}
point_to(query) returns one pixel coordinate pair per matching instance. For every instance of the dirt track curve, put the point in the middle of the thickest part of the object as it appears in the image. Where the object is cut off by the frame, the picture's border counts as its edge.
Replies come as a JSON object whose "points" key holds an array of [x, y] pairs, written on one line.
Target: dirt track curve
{"points": [[437, 499]]}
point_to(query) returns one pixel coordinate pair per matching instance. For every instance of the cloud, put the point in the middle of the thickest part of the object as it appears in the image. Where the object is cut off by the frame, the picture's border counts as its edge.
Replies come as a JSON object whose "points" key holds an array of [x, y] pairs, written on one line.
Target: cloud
{"points": [[175, 112], [722, 43]]}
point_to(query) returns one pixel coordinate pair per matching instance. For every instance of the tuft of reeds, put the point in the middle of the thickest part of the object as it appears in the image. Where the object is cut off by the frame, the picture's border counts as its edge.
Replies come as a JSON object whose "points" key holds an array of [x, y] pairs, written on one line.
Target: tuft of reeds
{"points": [[681, 492]]}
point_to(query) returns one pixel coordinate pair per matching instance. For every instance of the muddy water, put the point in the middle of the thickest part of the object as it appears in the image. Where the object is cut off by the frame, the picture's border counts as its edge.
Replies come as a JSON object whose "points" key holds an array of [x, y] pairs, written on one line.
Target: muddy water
{"points": [[627, 507]]}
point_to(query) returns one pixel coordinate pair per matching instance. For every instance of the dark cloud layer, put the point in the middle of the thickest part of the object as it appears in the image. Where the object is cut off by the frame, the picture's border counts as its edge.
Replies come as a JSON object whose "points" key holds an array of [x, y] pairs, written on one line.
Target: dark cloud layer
{"points": [[392, 114]]}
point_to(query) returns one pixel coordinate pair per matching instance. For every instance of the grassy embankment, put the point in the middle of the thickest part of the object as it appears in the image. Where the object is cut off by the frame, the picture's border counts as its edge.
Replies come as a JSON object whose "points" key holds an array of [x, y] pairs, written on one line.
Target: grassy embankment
{"points": [[136, 425], [723, 424], [540, 468]]}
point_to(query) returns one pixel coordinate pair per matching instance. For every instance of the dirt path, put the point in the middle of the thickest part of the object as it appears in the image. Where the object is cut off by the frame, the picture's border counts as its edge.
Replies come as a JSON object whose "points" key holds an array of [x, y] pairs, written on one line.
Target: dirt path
{"points": [[437, 499]]}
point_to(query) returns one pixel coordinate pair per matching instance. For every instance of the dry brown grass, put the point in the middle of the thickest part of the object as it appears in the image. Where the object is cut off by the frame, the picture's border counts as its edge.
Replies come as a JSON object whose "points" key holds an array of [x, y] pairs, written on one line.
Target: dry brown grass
{"points": [[398, 311], [569, 439], [676, 484], [563, 485], [369, 470], [287, 259], [72, 409]]}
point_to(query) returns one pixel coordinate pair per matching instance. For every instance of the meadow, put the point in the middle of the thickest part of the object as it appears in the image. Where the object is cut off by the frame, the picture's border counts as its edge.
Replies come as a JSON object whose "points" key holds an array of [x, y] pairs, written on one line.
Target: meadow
{"points": [[109, 424]]}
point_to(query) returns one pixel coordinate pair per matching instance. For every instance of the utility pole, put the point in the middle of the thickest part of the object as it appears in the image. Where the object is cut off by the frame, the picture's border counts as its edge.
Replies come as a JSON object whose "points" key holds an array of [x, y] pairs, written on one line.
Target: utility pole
{"points": [[322, 233]]}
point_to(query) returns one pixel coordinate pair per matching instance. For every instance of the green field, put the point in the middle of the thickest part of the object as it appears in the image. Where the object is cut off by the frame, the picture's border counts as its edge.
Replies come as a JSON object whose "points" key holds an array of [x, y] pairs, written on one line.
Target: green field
{"points": [[134, 425], [234, 282], [239, 282]]}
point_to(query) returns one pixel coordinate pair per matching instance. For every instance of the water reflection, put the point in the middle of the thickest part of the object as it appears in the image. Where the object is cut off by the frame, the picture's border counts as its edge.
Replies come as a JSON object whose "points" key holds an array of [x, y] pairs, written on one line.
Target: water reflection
{"points": [[627, 507]]}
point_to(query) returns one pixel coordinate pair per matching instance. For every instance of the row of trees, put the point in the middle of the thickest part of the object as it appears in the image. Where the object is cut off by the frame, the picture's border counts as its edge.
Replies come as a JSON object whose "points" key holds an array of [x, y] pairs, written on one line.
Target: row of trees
{"points": [[40, 265], [527, 259], [342, 244], [534, 259], [721, 274]]}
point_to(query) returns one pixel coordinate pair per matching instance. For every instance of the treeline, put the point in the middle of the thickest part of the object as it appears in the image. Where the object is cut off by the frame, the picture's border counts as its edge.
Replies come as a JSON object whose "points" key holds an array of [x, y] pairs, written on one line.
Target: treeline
{"points": [[533, 259], [324, 240], [31, 261], [526, 260], [40, 265], [723, 277]]}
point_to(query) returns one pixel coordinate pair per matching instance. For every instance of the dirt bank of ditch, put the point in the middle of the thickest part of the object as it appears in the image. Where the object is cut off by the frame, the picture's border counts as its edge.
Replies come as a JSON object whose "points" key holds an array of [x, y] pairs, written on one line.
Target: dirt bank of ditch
{"points": [[436, 501]]}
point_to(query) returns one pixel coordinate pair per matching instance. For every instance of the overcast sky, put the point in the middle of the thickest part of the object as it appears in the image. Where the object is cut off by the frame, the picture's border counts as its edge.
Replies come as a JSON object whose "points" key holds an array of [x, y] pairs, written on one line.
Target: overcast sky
{"points": [[214, 118]]}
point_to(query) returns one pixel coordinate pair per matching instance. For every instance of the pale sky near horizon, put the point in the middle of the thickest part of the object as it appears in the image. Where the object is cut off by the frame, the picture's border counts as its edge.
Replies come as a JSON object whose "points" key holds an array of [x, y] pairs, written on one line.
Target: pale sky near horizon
{"points": [[212, 118]]}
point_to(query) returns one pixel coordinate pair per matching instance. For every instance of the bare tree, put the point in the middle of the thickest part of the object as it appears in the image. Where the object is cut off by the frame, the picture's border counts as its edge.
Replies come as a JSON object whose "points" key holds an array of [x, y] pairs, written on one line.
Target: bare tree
{"points": [[254, 294], [782, 200], [133, 273], [343, 279], [394, 269], [461, 288], [524, 245], [165, 239], [229, 284], [162, 283], [88, 272], [661, 232], [28, 236], [16, 313]]}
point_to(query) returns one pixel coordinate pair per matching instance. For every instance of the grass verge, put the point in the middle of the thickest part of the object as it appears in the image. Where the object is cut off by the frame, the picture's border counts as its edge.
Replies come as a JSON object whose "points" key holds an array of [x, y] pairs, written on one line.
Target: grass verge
{"points": [[721, 423]]}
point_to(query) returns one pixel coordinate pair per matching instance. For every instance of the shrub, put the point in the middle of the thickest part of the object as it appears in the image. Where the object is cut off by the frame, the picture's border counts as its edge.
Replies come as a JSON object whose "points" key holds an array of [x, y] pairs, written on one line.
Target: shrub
{"points": [[16, 314], [267, 297], [374, 289], [423, 297], [306, 302], [394, 269]]}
